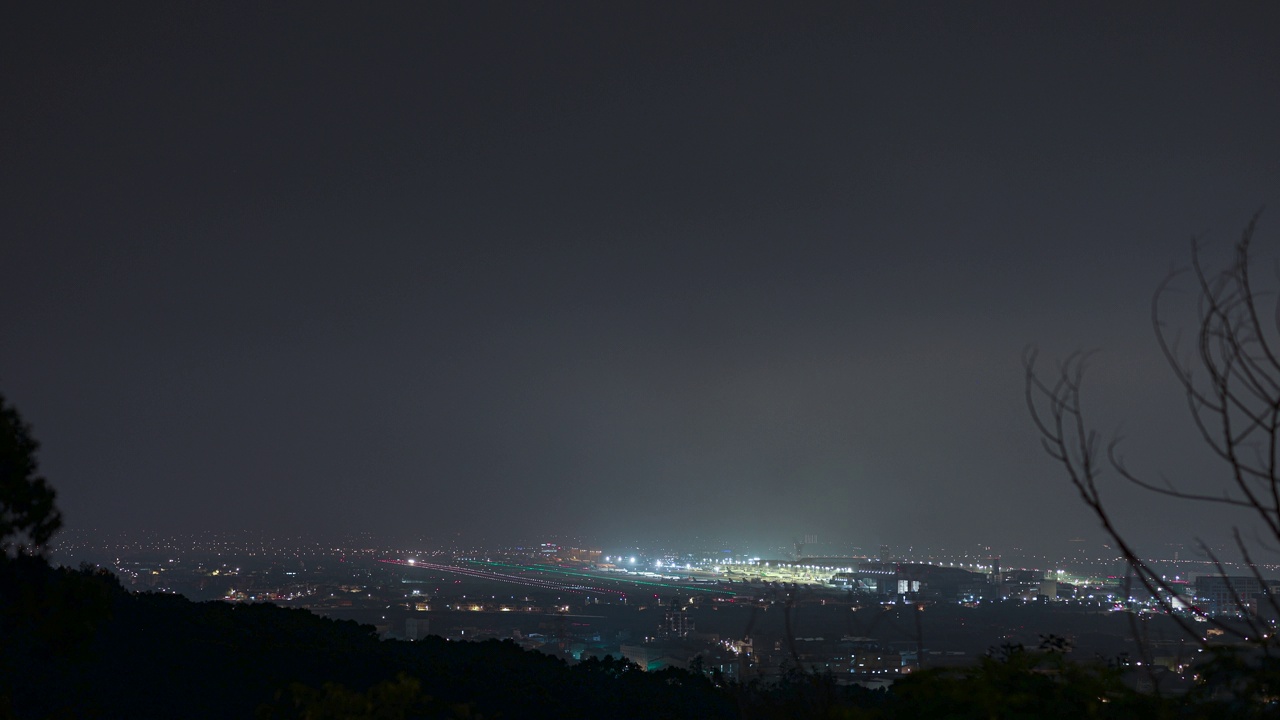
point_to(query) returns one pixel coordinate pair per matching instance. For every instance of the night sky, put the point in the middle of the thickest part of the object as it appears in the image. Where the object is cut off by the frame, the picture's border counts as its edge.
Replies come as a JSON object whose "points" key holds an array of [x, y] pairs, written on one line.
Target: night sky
{"points": [[615, 269]]}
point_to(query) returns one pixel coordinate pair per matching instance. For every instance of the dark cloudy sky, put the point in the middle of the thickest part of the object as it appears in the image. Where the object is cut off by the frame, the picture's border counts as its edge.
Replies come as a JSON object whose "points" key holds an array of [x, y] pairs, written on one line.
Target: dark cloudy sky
{"points": [[610, 268]]}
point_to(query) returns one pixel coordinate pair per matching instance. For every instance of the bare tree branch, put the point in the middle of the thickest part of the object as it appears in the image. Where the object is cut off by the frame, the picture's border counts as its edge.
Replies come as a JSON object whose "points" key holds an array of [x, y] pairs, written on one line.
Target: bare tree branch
{"points": [[1230, 379]]}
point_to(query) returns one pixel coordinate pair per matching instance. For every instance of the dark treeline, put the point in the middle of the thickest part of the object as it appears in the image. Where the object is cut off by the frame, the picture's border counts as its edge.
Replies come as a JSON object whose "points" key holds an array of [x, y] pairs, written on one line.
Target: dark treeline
{"points": [[77, 645]]}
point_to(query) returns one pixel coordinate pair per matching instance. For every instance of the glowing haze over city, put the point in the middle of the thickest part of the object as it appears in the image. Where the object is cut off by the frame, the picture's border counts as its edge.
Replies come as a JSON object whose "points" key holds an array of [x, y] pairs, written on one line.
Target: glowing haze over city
{"points": [[658, 278]]}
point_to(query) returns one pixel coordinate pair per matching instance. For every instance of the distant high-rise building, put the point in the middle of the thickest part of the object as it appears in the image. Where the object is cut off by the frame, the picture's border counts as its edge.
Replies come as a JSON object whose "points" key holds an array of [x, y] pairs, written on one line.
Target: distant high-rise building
{"points": [[676, 622], [1229, 594]]}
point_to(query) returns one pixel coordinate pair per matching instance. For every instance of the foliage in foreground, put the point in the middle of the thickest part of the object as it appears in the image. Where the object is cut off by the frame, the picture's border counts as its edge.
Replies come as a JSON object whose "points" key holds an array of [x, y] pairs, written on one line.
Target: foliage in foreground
{"points": [[28, 514], [76, 644]]}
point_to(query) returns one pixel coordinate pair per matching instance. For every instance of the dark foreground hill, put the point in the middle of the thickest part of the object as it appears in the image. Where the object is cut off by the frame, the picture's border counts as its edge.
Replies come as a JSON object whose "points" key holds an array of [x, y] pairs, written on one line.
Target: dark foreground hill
{"points": [[75, 644]]}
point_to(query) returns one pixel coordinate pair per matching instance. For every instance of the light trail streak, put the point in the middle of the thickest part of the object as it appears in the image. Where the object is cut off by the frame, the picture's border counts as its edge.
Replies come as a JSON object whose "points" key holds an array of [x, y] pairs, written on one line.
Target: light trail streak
{"points": [[506, 578], [549, 569]]}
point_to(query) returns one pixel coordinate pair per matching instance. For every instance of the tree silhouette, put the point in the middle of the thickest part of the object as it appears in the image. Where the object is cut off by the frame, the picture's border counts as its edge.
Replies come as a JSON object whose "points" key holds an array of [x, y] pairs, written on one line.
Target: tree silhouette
{"points": [[28, 516], [1230, 375]]}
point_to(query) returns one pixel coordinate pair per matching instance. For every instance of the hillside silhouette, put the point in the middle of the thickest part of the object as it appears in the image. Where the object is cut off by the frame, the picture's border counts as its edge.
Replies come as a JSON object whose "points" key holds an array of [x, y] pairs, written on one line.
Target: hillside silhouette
{"points": [[76, 644]]}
